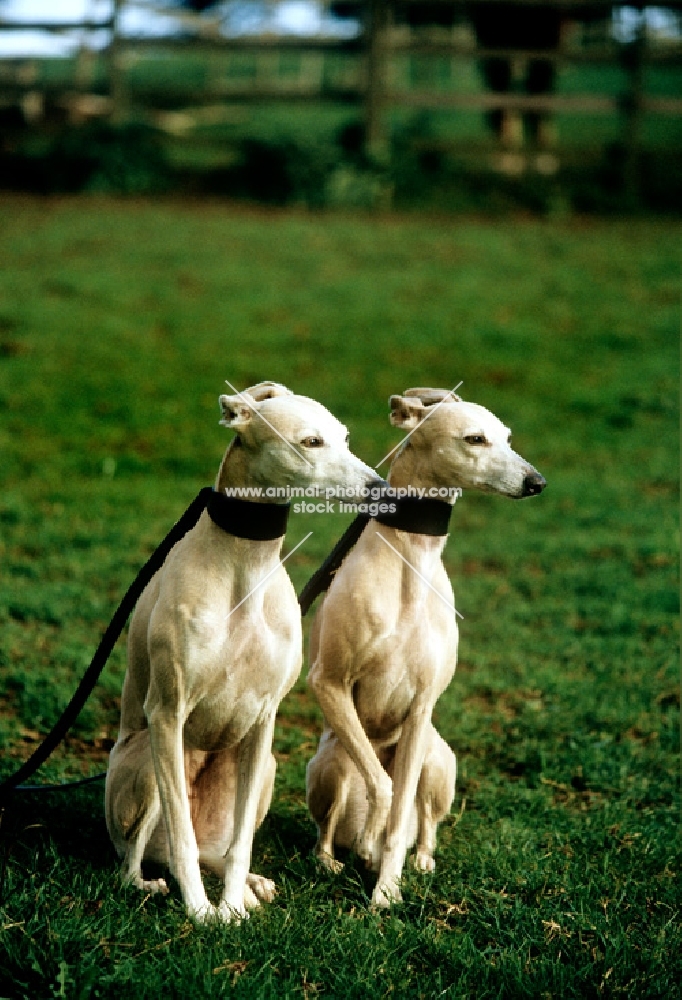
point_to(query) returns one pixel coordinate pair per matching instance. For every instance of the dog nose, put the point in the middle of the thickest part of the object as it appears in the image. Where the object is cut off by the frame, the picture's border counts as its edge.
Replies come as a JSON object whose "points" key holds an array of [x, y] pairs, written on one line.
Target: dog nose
{"points": [[533, 483]]}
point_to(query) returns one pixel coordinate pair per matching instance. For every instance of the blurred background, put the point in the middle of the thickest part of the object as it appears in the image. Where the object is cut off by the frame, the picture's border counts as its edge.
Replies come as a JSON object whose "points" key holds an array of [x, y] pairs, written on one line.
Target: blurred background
{"points": [[553, 106]]}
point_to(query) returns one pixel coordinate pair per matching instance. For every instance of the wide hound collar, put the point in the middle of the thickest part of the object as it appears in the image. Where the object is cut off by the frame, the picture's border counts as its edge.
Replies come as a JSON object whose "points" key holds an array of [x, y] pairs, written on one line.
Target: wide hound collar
{"points": [[261, 522], [418, 516]]}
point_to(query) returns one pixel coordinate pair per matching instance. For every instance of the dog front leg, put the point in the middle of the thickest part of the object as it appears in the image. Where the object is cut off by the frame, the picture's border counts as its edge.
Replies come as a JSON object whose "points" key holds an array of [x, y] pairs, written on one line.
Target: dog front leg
{"points": [[165, 732], [409, 760], [254, 759], [339, 711]]}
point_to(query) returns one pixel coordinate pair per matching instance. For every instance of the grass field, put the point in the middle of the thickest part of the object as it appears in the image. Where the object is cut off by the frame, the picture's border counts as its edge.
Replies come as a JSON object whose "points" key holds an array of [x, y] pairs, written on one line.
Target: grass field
{"points": [[558, 874]]}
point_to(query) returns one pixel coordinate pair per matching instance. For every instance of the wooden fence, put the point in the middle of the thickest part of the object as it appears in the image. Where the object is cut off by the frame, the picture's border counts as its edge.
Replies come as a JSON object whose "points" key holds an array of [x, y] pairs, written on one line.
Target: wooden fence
{"points": [[369, 70]]}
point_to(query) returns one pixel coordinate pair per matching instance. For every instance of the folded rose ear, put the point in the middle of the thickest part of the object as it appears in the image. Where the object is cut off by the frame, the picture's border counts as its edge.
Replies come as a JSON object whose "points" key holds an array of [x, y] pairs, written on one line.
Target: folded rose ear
{"points": [[430, 397], [406, 413], [267, 390], [236, 411]]}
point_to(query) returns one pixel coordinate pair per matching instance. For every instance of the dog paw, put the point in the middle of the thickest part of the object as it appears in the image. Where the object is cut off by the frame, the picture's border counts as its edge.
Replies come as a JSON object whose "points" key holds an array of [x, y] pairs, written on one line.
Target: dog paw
{"points": [[251, 901], [203, 913], [384, 895], [263, 888], [423, 862], [329, 862], [151, 885], [232, 914]]}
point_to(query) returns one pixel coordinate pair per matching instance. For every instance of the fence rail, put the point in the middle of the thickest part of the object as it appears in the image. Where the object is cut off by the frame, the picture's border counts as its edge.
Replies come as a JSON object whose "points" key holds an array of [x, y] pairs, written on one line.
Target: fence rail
{"points": [[369, 78], [57, 27]]}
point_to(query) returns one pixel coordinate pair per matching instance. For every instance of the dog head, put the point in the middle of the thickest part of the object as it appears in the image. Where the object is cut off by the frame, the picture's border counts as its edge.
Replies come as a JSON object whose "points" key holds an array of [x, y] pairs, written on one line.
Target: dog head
{"points": [[463, 444], [292, 440]]}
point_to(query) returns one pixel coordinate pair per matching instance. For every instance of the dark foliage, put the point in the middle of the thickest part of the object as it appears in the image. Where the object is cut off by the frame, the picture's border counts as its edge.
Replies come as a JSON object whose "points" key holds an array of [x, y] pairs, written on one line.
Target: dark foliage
{"points": [[421, 172]]}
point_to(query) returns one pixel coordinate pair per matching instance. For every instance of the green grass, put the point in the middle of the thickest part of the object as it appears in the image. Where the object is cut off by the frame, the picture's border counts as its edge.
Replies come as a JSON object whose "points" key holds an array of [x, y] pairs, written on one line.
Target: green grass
{"points": [[558, 874]]}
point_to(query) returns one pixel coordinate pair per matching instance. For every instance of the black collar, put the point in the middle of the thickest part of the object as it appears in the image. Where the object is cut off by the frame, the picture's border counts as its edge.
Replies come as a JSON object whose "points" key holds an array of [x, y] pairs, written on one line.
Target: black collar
{"points": [[261, 522], [419, 516]]}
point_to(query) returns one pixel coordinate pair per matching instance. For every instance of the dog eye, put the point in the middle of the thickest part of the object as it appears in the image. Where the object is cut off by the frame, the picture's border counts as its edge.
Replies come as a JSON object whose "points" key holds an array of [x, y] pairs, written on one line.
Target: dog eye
{"points": [[312, 442], [475, 439]]}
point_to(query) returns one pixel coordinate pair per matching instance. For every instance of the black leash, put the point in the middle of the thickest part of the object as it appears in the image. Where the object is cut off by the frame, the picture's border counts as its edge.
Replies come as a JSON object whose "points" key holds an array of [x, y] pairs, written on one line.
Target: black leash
{"points": [[321, 579], [102, 653], [63, 784], [246, 520]]}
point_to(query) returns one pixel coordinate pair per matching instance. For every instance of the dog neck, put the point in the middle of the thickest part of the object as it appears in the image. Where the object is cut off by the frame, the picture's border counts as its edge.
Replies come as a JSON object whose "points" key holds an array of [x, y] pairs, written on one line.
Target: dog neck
{"points": [[421, 548], [415, 557], [425, 517], [235, 472], [254, 518], [414, 467]]}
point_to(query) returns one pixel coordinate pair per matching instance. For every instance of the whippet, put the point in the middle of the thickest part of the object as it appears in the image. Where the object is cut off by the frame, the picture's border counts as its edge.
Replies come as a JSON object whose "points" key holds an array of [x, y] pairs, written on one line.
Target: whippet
{"points": [[384, 645], [214, 645]]}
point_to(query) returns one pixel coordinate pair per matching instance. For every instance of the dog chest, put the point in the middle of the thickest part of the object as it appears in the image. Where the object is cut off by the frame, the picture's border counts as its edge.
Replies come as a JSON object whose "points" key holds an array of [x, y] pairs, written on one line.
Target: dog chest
{"points": [[238, 690], [388, 681]]}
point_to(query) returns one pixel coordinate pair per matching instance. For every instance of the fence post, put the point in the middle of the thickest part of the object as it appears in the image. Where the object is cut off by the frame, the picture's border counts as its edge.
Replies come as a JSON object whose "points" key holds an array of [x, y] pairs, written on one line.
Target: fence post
{"points": [[633, 59], [115, 59], [376, 24]]}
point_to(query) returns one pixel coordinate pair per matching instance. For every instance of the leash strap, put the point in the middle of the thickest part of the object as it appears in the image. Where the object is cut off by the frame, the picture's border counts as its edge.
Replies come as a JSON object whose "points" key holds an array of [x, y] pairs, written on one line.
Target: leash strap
{"points": [[321, 579], [107, 643]]}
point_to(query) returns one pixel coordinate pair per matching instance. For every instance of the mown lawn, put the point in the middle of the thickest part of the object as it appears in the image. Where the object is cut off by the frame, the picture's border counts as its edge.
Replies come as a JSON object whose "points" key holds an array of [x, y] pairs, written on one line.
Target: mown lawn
{"points": [[558, 874]]}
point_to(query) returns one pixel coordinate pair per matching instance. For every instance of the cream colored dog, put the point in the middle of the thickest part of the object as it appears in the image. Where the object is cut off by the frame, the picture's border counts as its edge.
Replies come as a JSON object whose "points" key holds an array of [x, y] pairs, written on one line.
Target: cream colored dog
{"points": [[384, 648], [214, 645]]}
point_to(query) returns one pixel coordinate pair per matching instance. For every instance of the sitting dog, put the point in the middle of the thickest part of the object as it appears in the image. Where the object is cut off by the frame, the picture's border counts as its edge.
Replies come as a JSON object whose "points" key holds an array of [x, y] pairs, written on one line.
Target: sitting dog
{"points": [[213, 647], [384, 645]]}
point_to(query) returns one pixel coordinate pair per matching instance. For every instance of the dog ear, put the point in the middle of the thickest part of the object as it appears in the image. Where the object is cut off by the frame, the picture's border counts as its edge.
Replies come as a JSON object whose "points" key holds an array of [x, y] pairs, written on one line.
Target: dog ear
{"points": [[267, 390], [430, 397], [406, 413], [236, 410]]}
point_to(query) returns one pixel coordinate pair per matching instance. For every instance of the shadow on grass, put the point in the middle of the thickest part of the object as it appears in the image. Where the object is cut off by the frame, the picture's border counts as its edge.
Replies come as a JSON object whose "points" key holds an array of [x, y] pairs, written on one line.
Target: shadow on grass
{"points": [[38, 828], [64, 824]]}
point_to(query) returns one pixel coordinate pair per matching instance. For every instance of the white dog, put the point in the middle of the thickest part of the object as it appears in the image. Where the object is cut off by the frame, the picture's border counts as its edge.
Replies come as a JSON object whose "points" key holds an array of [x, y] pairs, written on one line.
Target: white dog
{"points": [[384, 645], [214, 645]]}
